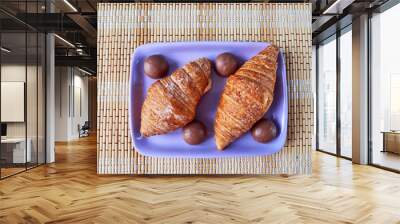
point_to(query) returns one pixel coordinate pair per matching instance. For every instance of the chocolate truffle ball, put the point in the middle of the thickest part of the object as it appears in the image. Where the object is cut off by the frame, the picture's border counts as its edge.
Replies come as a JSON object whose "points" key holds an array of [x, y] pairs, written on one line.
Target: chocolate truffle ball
{"points": [[156, 66], [264, 131], [226, 64], [194, 133]]}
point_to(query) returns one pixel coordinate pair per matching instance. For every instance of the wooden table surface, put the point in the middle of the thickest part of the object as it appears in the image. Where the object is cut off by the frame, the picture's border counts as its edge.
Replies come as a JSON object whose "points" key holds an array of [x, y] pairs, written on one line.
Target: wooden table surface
{"points": [[70, 191]]}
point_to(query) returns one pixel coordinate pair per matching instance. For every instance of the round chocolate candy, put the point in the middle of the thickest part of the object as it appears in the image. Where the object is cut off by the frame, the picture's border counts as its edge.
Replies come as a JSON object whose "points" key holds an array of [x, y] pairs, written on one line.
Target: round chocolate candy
{"points": [[264, 131], [226, 64], [194, 133], [156, 66]]}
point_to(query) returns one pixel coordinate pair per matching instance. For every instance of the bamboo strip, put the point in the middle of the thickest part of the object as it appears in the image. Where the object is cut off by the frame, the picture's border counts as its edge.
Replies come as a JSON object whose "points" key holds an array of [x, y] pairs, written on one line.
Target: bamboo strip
{"points": [[123, 27]]}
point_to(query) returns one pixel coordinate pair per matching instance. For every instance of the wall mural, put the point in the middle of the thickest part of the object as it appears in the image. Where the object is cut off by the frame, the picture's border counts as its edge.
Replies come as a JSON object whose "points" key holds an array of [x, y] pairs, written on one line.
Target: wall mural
{"points": [[212, 91]]}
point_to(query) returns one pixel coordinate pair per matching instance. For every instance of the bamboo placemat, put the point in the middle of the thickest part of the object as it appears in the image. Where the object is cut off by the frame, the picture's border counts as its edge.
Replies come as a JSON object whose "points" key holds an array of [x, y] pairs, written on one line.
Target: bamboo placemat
{"points": [[123, 27]]}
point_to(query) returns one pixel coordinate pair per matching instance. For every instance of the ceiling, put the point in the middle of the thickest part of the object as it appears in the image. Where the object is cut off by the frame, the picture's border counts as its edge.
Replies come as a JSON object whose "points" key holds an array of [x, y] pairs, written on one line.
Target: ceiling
{"points": [[76, 21]]}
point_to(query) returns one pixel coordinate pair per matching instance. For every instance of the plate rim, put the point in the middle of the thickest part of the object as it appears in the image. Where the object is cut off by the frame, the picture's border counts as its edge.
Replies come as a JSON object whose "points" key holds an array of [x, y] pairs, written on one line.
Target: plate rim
{"points": [[168, 44]]}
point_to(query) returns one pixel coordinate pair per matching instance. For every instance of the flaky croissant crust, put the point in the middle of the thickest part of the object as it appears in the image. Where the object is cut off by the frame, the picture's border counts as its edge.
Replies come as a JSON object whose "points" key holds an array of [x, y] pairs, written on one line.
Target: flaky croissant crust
{"points": [[171, 102], [246, 97]]}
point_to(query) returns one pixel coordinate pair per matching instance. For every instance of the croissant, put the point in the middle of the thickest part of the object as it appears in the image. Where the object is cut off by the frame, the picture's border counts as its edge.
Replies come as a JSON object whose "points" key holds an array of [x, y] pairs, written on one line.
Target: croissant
{"points": [[171, 102], [246, 97]]}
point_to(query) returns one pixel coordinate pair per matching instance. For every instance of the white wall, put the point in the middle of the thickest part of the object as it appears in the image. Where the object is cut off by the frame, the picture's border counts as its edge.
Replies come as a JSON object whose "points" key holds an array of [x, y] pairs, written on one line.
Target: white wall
{"points": [[71, 102], [62, 82], [12, 73], [33, 127], [80, 103], [17, 73]]}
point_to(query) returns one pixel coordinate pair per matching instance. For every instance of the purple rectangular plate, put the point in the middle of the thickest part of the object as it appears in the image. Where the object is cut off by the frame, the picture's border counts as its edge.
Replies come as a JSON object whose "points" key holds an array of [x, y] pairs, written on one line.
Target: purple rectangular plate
{"points": [[172, 144]]}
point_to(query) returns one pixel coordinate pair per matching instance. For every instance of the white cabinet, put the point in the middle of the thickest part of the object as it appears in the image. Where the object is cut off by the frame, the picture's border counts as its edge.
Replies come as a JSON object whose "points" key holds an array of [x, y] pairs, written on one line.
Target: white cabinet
{"points": [[17, 147]]}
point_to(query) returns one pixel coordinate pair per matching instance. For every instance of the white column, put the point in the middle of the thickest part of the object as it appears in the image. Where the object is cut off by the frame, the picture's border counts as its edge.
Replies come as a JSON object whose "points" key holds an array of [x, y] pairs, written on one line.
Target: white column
{"points": [[360, 90], [50, 99]]}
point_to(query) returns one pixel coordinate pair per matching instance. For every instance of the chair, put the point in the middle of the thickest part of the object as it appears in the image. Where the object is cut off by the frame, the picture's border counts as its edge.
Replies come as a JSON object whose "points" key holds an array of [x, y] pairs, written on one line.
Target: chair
{"points": [[84, 130]]}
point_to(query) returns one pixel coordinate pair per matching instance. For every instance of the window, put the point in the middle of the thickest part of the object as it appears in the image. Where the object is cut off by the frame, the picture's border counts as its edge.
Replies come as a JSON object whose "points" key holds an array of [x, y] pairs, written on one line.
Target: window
{"points": [[346, 93], [333, 106], [326, 130], [22, 90], [385, 89]]}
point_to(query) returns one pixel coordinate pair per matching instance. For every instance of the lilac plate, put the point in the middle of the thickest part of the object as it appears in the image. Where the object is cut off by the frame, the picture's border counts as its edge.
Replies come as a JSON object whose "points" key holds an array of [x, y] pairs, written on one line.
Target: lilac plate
{"points": [[172, 144]]}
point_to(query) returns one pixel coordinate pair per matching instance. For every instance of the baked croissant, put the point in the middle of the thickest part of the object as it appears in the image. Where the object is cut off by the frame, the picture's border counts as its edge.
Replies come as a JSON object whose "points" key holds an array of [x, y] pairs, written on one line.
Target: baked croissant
{"points": [[246, 97], [171, 102]]}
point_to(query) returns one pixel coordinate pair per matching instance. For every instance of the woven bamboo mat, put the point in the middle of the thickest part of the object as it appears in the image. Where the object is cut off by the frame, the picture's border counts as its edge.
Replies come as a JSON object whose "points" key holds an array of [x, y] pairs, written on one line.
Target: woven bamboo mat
{"points": [[123, 27]]}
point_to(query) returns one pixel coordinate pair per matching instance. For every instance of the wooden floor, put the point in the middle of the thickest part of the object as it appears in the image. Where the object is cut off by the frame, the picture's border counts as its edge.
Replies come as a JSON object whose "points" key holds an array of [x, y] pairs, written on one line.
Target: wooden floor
{"points": [[387, 159], [69, 191], [5, 172]]}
